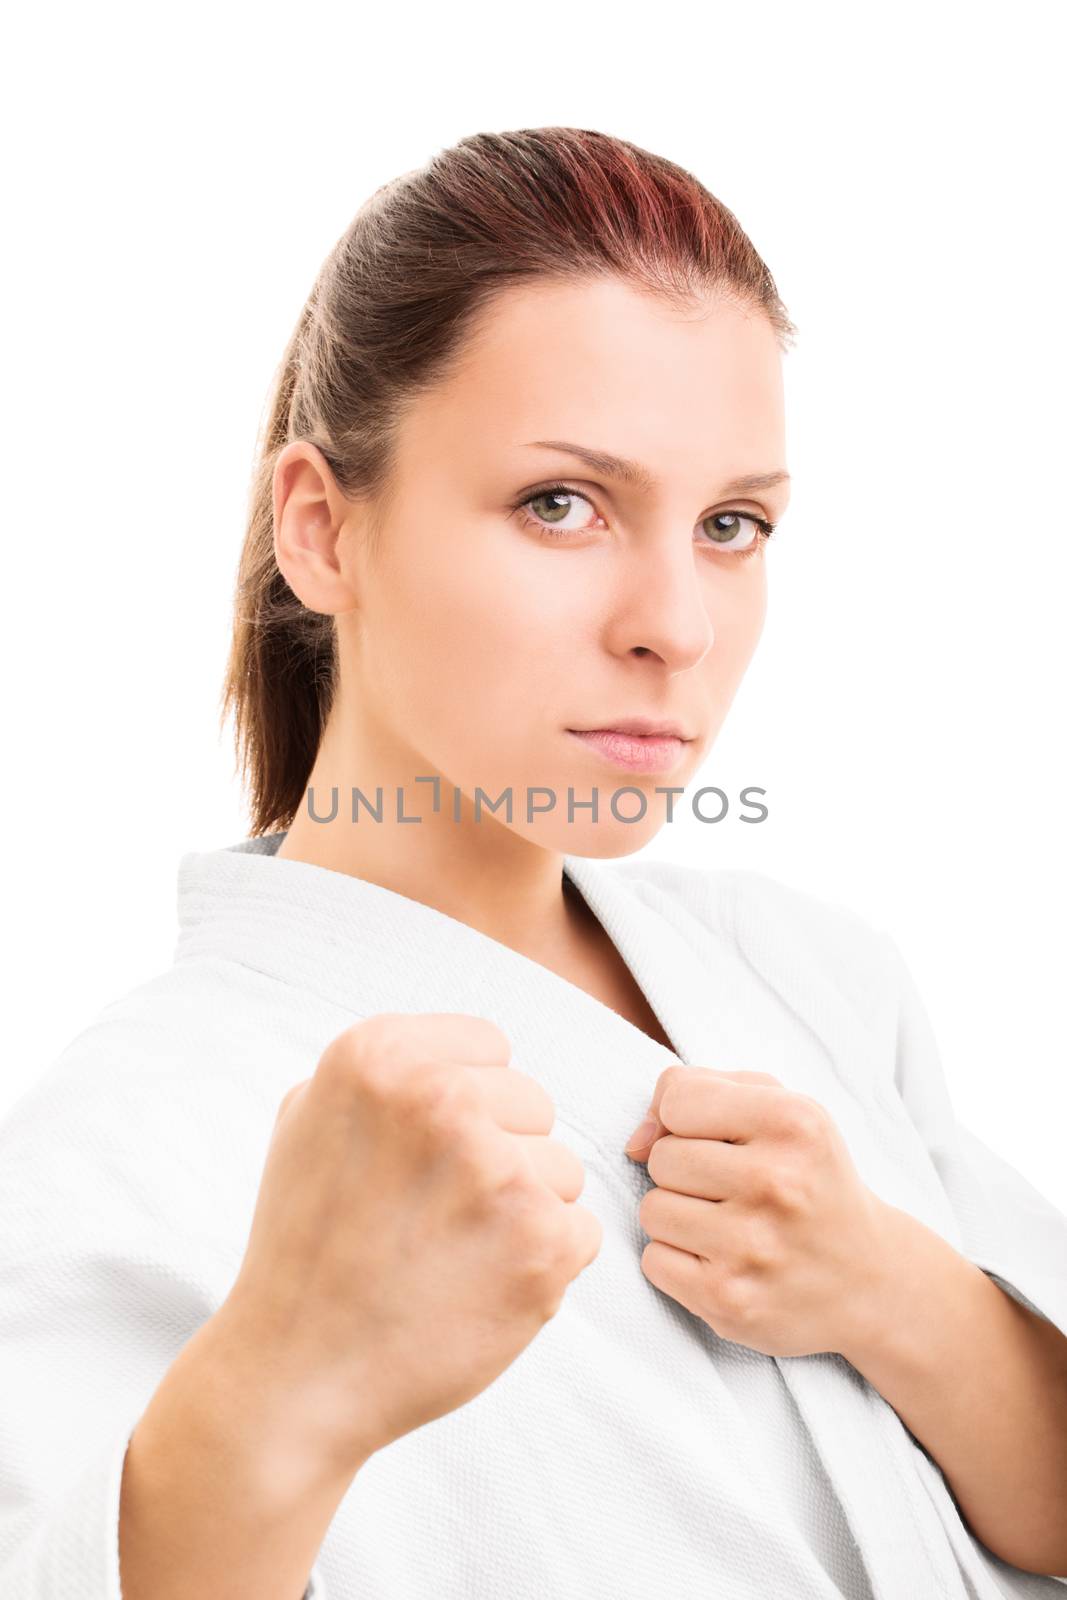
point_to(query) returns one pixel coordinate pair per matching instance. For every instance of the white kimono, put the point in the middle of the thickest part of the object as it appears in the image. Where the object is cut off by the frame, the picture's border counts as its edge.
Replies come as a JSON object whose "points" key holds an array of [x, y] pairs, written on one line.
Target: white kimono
{"points": [[629, 1451]]}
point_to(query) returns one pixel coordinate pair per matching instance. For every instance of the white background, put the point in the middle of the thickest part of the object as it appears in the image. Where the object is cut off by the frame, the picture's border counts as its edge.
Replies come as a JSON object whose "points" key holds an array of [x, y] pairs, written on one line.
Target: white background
{"points": [[174, 181]]}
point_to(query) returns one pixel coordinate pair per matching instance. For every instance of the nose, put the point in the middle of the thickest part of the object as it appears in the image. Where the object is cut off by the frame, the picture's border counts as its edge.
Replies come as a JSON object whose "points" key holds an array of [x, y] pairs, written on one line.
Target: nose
{"points": [[662, 603]]}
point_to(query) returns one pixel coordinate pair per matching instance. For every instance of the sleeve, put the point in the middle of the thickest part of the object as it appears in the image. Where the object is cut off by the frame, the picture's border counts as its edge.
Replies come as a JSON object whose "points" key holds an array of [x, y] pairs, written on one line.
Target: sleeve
{"points": [[1008, 1228], [96, 1298]]}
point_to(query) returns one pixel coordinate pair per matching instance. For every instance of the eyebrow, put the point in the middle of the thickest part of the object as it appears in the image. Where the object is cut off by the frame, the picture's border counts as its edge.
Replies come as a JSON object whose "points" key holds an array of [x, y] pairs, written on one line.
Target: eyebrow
{"points": [[634, 473]]}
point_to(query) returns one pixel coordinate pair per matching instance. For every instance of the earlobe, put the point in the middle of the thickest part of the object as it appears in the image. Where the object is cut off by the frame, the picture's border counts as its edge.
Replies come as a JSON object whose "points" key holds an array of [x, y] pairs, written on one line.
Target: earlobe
{"points": [[309, 564]]}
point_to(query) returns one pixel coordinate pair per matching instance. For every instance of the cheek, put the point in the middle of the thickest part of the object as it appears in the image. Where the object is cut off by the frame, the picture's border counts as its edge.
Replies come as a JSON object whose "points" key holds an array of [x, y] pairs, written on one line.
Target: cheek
{"points": [[475, 645], [738, 608]]}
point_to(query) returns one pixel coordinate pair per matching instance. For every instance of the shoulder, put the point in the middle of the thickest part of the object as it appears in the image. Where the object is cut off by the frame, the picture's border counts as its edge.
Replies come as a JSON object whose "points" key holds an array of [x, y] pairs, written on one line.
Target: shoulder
{"points": [[203, 1019], [724, 893], [163, 1036], [162, 1106], [774, 923]]}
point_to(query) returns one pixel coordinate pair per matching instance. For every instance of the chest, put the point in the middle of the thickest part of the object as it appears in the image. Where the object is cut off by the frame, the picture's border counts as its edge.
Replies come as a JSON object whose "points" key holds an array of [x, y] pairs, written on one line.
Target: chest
{"points": [[597, 967], [623, 995]]}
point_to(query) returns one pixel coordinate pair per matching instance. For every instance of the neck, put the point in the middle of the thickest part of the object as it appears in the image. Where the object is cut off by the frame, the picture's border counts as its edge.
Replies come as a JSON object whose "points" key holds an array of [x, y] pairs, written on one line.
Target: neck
{"points": [[475, 869]]}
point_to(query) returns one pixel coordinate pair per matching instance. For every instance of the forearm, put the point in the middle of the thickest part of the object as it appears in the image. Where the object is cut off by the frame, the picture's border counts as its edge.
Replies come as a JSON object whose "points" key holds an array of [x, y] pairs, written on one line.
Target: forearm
{"points": [[981, 1382], [223, 1491]]}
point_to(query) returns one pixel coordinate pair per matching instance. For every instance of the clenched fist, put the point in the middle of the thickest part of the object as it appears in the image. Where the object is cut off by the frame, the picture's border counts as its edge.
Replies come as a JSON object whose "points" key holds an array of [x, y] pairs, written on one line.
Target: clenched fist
{"points": [[414, 1229], [759, 1222]]}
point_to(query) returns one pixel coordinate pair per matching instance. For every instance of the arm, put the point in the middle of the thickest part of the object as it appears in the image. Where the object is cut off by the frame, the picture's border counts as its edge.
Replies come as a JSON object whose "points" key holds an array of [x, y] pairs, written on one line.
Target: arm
{"points": [[223, 1493], [981, 1382], [141, 1434], [110, 1302], [979, 1370]]}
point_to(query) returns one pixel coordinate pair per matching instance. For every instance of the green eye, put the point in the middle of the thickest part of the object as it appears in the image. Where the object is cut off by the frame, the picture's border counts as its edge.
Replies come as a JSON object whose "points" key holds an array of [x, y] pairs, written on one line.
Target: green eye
{"points": [[541, 522], [553, 494], [723, 536], [548, 521]]}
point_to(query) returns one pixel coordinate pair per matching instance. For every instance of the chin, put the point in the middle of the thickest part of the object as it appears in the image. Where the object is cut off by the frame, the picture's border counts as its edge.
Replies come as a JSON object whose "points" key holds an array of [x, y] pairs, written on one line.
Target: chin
{"points": [[606, 839]]}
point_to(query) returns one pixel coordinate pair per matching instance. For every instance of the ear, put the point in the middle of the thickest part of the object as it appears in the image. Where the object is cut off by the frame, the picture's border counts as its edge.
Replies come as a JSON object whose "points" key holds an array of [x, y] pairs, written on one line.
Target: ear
{"points": [[310, 517]]}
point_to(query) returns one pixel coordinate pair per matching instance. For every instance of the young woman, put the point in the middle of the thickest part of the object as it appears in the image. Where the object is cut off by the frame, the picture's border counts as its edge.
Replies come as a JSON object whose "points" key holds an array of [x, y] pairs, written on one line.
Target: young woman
{"points": [[297, 1293]]}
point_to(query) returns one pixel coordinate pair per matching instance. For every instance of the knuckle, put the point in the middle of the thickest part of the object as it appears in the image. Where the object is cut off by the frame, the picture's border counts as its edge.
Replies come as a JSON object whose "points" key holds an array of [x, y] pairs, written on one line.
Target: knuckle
{"points": [[481, 1166], [762, 1250], [362, 1049], [783, 1188], [734, 1298], [803, 1119], [540, 1244], [385, 1037], [290, 1095], [442, 1099]]}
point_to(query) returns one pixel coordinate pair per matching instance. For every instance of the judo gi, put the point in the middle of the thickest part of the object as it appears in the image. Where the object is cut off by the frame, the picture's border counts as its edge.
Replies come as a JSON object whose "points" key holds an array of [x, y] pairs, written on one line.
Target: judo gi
{"points": [[629, 1450]]}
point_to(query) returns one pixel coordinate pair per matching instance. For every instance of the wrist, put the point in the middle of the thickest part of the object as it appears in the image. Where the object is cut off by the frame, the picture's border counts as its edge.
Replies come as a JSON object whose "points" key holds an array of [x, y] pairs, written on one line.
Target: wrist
{"points": [[310, 1430], [917, 1296], [894, 1265]]}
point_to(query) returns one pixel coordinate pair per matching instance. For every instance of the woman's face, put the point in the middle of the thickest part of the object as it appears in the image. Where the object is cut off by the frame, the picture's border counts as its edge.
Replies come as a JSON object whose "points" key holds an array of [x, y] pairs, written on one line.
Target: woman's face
{"points": [[484, 630]]}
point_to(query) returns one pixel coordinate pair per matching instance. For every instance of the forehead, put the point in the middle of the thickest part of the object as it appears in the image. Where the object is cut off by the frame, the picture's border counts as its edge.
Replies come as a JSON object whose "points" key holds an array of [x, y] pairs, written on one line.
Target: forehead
{"points": [[607, 363]]}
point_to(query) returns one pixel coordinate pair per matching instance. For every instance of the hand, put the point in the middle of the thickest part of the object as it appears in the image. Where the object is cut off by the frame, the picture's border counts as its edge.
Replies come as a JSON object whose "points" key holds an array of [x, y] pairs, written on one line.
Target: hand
{"points": [[759, 1222], [416, 1226]]}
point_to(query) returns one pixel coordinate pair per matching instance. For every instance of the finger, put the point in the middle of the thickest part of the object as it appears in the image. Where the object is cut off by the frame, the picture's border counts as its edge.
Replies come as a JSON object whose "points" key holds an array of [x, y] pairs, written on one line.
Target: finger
{"points": [[678, 1273], [459, 1037], [710, 1169], [463, 1037], [586, 1235], [675, 1083], [555, 1165], [703, 1104], [681, 1220], [650, 1128], [753, 1077], [517, 1102]]}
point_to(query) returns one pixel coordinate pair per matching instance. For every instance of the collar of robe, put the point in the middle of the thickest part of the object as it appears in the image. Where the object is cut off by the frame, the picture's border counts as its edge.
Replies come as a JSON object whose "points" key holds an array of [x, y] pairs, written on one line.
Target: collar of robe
{"points": [[729, 986]]}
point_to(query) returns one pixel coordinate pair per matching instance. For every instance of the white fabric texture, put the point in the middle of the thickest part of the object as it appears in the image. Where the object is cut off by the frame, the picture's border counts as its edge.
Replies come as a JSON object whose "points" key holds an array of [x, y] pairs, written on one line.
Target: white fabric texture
{"points": [[629, 1450]]}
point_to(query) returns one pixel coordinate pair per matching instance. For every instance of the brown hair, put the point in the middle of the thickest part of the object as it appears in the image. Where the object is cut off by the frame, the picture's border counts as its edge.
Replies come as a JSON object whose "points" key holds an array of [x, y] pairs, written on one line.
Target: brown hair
{"points": [[388, 312]]}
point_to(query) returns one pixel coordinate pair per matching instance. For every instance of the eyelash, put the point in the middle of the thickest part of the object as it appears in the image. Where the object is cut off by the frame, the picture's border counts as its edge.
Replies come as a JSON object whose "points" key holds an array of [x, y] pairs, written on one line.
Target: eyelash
{"points": [[765, 529]]}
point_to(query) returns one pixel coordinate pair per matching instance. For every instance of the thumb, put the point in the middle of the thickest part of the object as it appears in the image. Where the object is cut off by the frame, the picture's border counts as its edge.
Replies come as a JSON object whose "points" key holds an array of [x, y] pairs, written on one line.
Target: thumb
{"points": [[644, 1136]]}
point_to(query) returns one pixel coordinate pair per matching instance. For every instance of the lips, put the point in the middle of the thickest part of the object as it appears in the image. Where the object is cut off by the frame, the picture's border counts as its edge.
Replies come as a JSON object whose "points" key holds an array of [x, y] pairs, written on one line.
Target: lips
{"points": [[640, 727], [633, 752]]}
